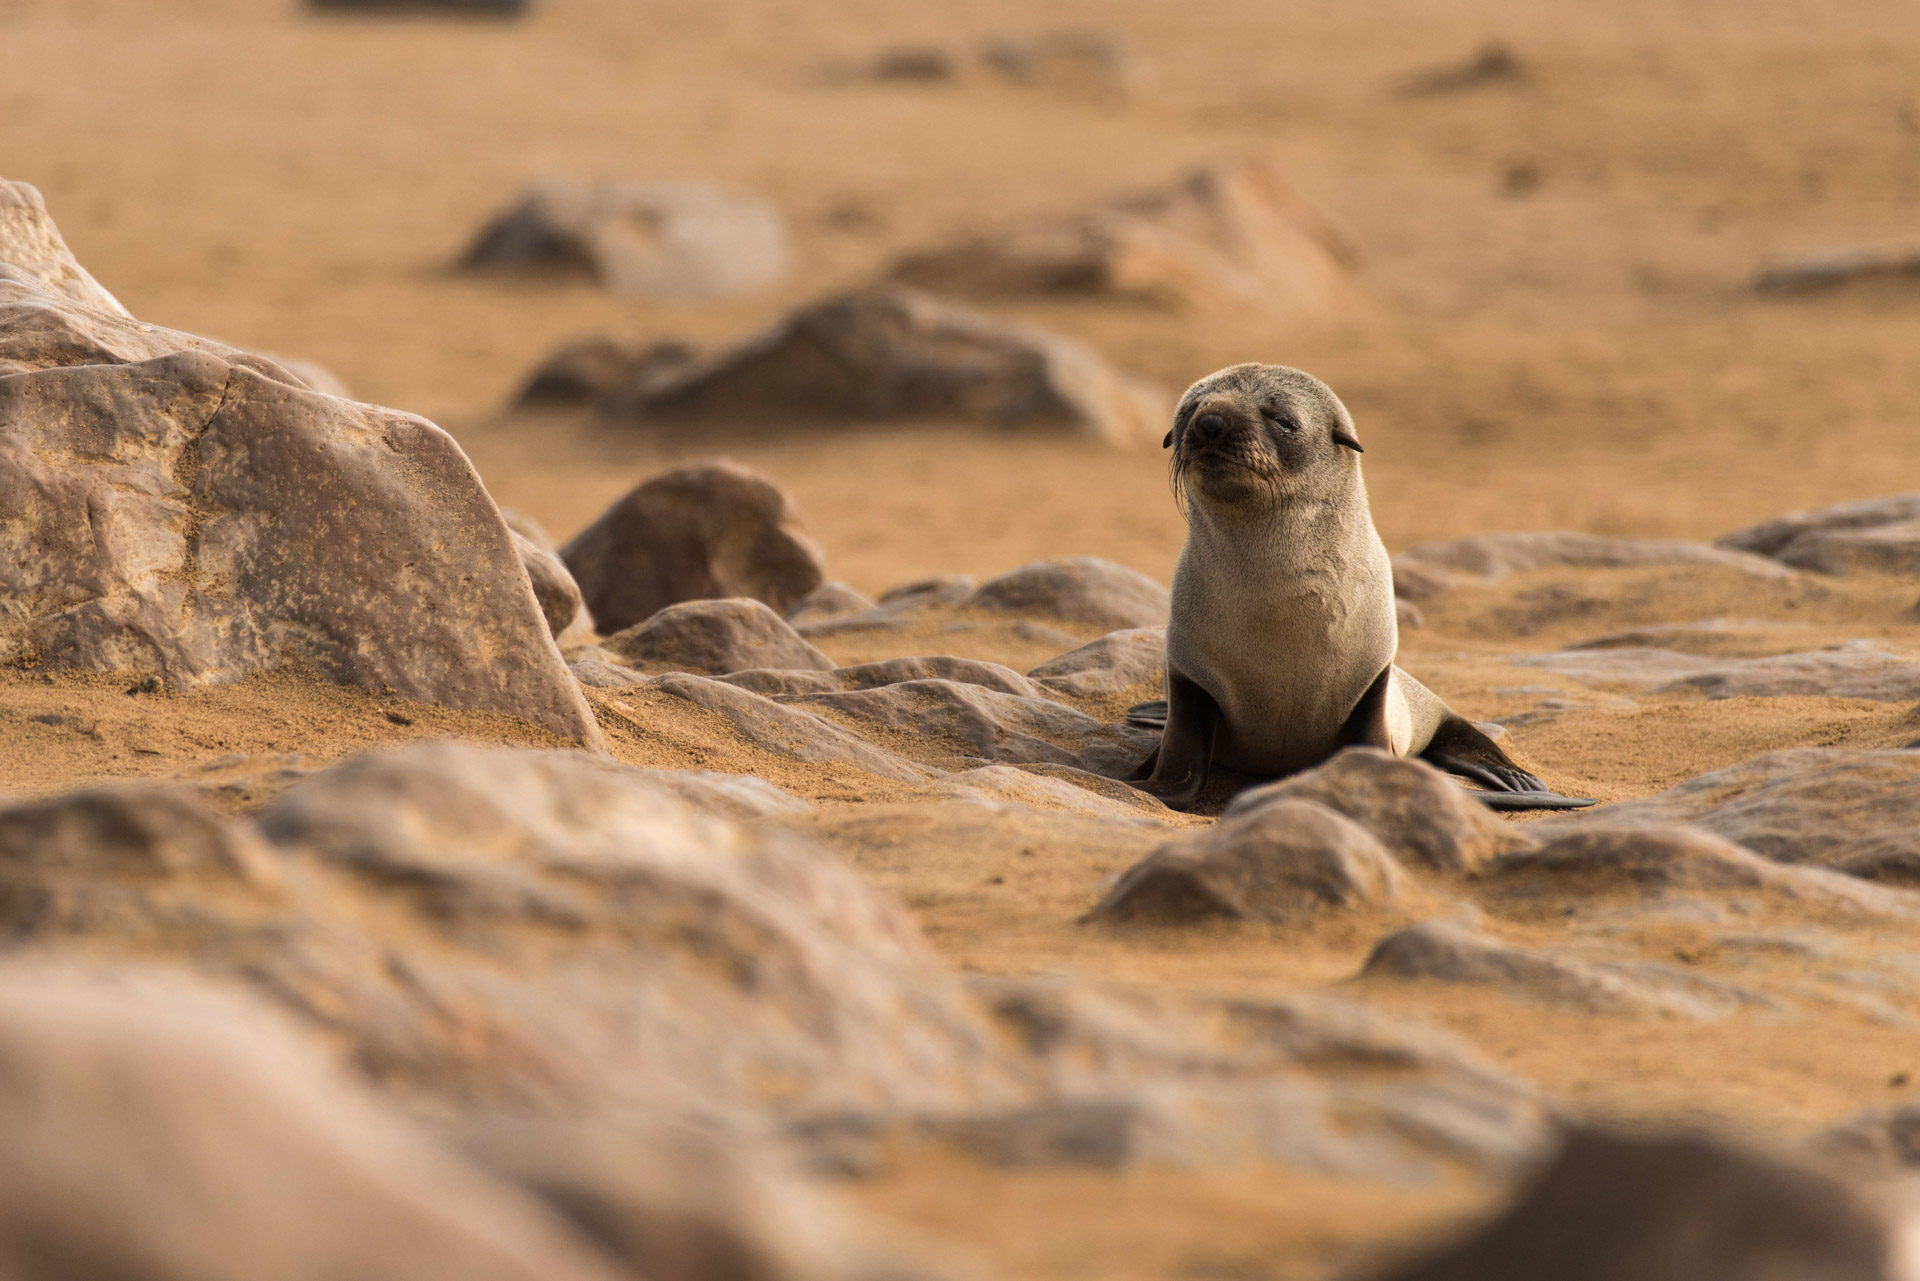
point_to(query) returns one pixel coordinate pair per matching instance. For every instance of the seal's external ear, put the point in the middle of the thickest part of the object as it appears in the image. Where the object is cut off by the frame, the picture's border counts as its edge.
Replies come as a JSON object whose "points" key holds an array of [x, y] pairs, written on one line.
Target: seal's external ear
{"points": [[1341, 436], [1168, 442]]}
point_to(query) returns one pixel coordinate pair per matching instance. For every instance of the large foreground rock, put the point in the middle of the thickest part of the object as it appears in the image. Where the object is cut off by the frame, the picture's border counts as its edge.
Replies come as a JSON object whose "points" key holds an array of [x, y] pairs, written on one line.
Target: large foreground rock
{"points": [[696, 533], [171, 512], [146, 1132], [1230, 235], [1684, 1208], [889, 353], [1857, 811], [652, 239], [564, 937], [1432, 569]]}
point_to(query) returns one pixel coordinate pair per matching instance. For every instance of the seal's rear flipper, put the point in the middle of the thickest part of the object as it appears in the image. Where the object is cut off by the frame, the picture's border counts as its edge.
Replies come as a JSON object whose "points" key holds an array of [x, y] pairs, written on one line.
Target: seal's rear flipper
{"points": [[1461, 748], [1542, 800], [1151, 715]]}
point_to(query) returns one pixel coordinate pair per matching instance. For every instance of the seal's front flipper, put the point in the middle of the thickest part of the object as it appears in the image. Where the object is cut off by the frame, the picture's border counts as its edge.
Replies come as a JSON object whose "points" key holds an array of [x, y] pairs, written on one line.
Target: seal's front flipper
{"points": [[1460, 748], [1180, 765], [1367, 724]]}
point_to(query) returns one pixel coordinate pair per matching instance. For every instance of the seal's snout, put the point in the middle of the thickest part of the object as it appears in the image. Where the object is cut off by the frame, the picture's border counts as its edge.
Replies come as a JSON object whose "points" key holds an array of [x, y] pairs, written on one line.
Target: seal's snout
{"points": [[1209, 429]]}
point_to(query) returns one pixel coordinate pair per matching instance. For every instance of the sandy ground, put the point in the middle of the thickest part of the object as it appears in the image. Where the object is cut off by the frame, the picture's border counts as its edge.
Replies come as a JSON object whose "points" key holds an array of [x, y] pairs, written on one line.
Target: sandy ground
{"points": [[1576, 347]]}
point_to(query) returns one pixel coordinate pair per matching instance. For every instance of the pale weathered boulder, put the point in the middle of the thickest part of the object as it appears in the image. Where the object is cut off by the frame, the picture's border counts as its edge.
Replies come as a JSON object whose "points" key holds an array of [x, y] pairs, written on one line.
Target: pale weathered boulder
{"points": [[33, 253], [696, 533], [1614, 1207], [1777, 537], [1282, 862], [985, 724], [1882, 549], [892, 671], [652, 239], [1421, 815], [1120, 661], [1229, 235], [1081, 589], [714, 637], [1857, 811], [148, 1132], [1854, 669], [889, 353], [1431, 569], [172, 508]]}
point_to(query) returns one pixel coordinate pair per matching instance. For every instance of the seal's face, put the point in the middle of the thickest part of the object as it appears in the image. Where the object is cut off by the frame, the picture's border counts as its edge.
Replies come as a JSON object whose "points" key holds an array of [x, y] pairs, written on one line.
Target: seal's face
{"points": [[1251, 435]]}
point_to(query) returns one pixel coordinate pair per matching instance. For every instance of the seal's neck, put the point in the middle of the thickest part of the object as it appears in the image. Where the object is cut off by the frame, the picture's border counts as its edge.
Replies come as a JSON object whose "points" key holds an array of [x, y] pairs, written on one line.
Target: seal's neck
{"points": [[1327, 518]]}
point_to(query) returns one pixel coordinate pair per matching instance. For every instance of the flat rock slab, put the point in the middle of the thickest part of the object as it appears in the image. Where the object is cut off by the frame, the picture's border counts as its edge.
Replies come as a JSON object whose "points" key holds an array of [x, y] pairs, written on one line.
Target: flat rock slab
{"points": [[1856, 669], [1855, 811], [892, 671], [1432, 569], [889, 354], [1084, 589], [704, 532]]}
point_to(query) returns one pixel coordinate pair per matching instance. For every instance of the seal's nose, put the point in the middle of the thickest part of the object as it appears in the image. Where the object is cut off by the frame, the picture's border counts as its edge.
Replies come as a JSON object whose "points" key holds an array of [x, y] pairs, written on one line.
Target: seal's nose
{"points": [[1209, 428]]}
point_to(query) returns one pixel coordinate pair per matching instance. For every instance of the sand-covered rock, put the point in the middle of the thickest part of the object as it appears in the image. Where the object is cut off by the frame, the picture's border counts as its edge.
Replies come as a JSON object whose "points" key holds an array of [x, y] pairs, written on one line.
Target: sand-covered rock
{"points": [[714, 637], [587, 372], [1432, 569], [889, 353], [1057, 787], [1590, 861], [1853, 810], [1228, 235], [150, 1132], [1083, 589], [892, 671], [553, 586], [678, 240], [1422, 816], [703, 532], [1678, 1208], [1878, 535], [175, 514], [1449, 953], [792, 732], [987, 725], [1776, 537], [827, 602], [1117, 662], [1854, 669], [1284, 862]]}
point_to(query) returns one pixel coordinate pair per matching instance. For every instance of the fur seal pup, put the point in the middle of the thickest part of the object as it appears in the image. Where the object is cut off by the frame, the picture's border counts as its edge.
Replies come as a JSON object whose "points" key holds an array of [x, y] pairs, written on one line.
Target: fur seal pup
{"points": [[1281, 644]]}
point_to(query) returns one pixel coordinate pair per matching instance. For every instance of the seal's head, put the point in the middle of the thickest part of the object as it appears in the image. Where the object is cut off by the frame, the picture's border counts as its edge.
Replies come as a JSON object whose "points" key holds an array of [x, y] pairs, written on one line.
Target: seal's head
{"points": [[1251, 436]]}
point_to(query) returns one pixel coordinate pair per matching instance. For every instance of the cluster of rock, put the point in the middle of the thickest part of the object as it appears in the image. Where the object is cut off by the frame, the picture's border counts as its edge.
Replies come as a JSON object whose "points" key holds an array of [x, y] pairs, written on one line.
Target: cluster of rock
{"points": [[1092, 63], [881, 354]]}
